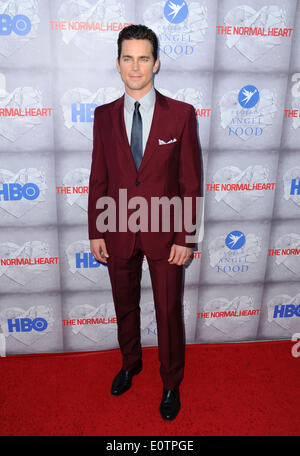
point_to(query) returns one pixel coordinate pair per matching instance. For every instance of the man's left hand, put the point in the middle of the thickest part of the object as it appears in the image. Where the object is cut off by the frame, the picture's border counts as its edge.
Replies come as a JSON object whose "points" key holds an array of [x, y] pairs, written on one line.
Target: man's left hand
{"points": [[179, 254]]}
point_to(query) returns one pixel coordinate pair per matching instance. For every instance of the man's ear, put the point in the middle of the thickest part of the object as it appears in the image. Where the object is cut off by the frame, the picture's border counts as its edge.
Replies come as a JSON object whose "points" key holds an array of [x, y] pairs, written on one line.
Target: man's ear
{"points": [[156, 65]]}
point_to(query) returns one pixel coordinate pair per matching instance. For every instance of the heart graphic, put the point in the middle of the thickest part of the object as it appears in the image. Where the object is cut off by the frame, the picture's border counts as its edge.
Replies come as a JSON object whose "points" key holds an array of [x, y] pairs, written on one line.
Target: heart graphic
{"points": [[98, 333], [296, 106], [240, 200], [28, 337], [103, 11], [192, 30], [26, 175], [226, 324], [148, 315], [188, 95], [14, 42], [265, 109], [291, 262], [23, 274], [82, 248], [2, 344], [254, 47], [280, 300], [221, 255], [78, 177], [292, 173], [12, 128], [84, 96]]}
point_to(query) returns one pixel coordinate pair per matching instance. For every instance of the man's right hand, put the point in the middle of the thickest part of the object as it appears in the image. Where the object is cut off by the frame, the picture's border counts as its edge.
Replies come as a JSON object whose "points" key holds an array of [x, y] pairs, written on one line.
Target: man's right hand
{"points": [[95, 246]]}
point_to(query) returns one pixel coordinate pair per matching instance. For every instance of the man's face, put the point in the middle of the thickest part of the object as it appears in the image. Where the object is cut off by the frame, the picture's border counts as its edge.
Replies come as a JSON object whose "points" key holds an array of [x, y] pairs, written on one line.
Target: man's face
{"points": [[137, 66]]}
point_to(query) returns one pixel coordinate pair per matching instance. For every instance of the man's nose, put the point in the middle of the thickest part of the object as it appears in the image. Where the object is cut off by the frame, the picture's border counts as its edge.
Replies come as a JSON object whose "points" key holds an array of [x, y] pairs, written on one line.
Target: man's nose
{"points": [[135, 65]]}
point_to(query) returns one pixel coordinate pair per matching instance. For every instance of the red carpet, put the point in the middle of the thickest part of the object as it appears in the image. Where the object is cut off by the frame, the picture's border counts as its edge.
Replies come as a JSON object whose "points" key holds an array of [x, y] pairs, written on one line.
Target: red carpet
{"points": [[228, 389]]}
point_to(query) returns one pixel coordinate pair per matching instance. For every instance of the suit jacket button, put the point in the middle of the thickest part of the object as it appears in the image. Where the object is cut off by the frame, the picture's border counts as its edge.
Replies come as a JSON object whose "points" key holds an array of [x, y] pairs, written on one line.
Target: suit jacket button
{"points": [[138, 183]]}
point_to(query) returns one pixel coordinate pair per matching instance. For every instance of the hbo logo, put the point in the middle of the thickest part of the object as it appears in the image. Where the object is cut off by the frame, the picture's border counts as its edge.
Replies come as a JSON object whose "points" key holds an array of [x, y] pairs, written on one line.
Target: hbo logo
{"points": [[19, 24], [87, 260], [288, 311], [26, 324], [13, 192]]}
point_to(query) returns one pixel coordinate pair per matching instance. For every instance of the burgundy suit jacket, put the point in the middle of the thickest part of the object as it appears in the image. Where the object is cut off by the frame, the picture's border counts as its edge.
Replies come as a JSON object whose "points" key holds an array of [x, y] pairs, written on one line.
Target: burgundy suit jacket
{"points": [[173, 169]]}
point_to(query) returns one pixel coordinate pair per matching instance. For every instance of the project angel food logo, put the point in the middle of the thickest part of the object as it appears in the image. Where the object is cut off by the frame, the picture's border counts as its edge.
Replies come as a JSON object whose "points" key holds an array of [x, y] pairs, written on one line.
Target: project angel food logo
{"points": [[291, 185], [284, 310], [27, 326], [252, 32], [191, 96], [225, 315], [97, 324], [21, 192], [234, 252], [78, 106], [179, 26], [235, 240], [176, 11], [238, 188], [245, 113], [287, 252], [20, 111], [23, 263], [88, 25], [19, 22]]}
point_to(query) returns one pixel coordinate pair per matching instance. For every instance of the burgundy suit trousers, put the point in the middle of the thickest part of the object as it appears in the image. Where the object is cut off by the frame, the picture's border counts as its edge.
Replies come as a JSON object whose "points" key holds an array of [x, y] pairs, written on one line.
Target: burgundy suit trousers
{"points": [[167, 285]]}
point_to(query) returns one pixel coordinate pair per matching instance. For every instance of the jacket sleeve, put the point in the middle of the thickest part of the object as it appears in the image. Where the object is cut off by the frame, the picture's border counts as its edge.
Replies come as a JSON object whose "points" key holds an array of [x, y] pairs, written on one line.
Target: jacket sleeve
{"points": [[98, 181], [190, 179]]}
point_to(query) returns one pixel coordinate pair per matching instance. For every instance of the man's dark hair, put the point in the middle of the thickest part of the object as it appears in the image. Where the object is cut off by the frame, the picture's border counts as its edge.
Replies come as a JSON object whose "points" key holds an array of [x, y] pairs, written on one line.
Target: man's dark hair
{"points": [[138, 32]]}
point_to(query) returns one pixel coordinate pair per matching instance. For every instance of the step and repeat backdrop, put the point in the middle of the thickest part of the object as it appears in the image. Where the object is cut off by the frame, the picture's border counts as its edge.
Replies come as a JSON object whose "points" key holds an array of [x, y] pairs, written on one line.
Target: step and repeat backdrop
{"points": [[238, 63]]}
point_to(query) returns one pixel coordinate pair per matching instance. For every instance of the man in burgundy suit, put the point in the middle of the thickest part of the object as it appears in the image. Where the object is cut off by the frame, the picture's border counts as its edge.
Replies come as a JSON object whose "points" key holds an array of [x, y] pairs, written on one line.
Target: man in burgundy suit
{"points": [[146, 145]]}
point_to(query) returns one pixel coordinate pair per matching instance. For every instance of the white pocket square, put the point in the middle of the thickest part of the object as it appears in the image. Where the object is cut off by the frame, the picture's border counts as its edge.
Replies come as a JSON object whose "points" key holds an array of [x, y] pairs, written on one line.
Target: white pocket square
{"points": [[161, 142]]}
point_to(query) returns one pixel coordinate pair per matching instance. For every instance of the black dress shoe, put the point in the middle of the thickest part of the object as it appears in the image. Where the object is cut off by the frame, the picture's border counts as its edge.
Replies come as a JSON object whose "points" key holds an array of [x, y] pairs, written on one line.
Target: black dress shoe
{"points": [[170, 404], [122, 381]]}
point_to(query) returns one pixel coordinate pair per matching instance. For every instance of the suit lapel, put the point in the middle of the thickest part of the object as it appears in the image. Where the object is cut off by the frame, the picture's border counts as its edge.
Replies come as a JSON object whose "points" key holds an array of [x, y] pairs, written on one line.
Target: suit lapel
{"points": [[159, 119], [119, 129]]}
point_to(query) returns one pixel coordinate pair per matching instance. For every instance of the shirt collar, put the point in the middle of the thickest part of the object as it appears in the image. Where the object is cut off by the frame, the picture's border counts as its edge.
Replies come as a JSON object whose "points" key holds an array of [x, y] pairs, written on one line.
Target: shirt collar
{"points": [[147, 101]]}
